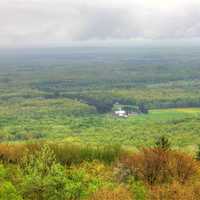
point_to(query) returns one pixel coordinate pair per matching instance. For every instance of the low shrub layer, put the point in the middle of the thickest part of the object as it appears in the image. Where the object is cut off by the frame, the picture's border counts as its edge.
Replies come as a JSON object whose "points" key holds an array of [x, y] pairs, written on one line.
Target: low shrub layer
{"points": [[119, 193], [66, 153], [157, 166]]}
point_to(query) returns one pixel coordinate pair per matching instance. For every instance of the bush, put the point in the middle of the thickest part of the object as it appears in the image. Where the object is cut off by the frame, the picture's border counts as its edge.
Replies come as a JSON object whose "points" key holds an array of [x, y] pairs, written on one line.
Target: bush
{"points": [[44, 178], [3, 173], [68, 154], [176, 191], [163, 143], [182, 167], [97, 169], [139, 190], [148, 165], [198, 153], [157, 166], [13, 153], [119, 193], [35, 168], [8, 192]]}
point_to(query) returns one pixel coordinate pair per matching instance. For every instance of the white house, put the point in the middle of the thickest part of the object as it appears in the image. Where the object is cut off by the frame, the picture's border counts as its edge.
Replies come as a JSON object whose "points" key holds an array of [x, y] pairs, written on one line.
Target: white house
{"points": [[121, 113]]}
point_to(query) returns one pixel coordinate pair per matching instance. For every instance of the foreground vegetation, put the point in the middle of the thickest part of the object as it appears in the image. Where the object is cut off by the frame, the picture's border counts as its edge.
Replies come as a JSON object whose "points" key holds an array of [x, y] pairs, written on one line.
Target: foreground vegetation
{"points": [[64, 171]]}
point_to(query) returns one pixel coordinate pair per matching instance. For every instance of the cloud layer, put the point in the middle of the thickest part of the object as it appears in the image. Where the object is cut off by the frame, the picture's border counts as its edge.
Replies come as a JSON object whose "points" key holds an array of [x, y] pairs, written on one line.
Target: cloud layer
{"points": [[43, 22]]}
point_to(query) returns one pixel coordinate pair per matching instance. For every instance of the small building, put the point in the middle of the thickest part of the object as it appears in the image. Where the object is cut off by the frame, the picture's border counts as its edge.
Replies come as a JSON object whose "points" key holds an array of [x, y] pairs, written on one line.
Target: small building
{"points": [[121, 113]]}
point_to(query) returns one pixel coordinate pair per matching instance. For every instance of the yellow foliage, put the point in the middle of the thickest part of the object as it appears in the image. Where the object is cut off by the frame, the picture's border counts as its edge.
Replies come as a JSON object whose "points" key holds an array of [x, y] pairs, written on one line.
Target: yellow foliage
{"points": [[176, 191], [119, 193]]}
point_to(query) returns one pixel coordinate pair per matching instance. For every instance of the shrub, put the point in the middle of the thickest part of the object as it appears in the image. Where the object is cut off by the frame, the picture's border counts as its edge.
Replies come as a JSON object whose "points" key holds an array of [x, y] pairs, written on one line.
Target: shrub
{"points": [[198, 153], [148, 165], [11, 153], [139, 190], [182, 167], [3, 173], [157, 166], [175, 191], [35, 168], [44, 178], [8, 192], [163, 143], [97, 169], [68, 154], [119, 193]]}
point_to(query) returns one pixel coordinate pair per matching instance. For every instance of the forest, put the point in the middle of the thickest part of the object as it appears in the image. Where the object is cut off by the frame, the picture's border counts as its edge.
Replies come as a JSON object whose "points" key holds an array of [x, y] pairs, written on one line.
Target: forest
{"points": [[59, 138]]}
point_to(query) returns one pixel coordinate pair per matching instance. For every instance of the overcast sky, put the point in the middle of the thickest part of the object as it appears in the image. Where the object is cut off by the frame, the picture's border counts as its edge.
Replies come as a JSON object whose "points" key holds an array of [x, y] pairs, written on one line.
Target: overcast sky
{"points": [[56, 22]]}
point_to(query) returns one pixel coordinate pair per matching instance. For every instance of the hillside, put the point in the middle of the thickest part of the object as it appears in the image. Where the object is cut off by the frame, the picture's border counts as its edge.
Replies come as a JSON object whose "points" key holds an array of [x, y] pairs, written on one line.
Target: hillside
{"points": [[61, 140]]}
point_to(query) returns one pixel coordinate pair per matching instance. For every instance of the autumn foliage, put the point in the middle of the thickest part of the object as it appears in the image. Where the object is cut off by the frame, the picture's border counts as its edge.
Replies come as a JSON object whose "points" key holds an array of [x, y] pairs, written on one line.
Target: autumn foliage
{"points": [[120, 193], [99, 173], [157, 166], [176, 191]]}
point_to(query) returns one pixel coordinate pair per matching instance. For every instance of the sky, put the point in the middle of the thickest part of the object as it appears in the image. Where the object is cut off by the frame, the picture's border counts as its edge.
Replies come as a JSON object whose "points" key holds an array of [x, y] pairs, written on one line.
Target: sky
{"points": [[61, 22]]}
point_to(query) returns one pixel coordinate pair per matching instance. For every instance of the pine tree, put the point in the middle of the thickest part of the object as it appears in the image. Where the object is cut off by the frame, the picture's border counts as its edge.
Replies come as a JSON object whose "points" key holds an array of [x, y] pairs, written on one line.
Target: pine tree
{"points": [[163, 143]]}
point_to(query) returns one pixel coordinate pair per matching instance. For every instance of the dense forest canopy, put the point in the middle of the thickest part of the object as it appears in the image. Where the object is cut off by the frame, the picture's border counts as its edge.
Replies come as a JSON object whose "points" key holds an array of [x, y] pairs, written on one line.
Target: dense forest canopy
{"points": [[71, 92], [158, 76]]}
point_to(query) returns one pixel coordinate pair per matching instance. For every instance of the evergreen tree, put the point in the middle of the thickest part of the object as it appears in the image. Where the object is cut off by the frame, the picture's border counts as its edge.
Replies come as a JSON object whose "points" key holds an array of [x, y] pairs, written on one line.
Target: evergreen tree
{"points": [[143, 109], [198, 153], [163, 143]]}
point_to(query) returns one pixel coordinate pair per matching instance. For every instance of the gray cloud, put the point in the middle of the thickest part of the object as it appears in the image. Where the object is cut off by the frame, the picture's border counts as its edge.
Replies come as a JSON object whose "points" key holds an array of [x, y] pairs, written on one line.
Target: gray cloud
{"points": [[44, 22]]}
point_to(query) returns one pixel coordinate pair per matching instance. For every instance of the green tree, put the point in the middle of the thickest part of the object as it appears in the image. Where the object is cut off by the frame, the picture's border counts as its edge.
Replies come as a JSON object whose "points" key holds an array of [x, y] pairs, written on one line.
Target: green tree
{"points": [[143, 109], [198, 153], [163, 143], [44, 178], [8, 192]]}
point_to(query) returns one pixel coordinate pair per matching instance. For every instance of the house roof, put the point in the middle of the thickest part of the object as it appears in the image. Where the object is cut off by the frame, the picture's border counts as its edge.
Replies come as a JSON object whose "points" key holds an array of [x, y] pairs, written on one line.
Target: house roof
{"points": [[120, 112]]}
